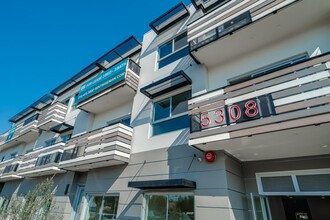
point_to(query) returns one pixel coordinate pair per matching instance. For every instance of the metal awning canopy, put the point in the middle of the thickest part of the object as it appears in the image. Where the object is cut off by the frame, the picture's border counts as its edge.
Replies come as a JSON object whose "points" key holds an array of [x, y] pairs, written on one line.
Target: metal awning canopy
{"points": [[163, 184], [167, 84], [38, 105], [61, 128], [169, 18], [125, 49], [208, 5]]}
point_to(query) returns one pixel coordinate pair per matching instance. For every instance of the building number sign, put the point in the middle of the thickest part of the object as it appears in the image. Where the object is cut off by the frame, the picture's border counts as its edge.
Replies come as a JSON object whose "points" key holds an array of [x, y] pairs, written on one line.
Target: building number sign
{"points": [[239, 112]]}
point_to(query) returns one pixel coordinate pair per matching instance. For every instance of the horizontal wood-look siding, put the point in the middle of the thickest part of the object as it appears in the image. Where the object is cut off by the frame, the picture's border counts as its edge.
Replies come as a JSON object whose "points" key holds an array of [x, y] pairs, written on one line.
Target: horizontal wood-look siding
{"points": [[300, 94], [221, 15], [115, 137], [57, 111]]}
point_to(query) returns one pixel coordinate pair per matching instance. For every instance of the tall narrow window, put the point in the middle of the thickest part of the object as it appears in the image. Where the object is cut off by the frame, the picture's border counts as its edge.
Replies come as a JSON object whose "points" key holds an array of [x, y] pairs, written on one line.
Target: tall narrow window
{"points": [[173, 50]]}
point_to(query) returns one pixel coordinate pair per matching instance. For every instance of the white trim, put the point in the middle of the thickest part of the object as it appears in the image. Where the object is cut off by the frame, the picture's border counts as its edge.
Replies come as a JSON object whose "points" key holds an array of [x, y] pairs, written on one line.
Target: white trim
{"points": [[302, 96], [206, 97], [49, 116], [115, 129], [71, 162], [52, 168], [39, 149], [57, 105], [274, 8], [50, 120], [51, 152], [279, 87], [213, 138], [196, 35], [10, 177], [292, 174]]}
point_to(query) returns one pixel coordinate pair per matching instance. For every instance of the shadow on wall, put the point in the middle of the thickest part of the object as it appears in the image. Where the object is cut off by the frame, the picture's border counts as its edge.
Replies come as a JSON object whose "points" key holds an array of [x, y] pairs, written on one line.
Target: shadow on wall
{"points": [[60, 183], [83, 120], [145, 105], [126, 212], [110, 181]]}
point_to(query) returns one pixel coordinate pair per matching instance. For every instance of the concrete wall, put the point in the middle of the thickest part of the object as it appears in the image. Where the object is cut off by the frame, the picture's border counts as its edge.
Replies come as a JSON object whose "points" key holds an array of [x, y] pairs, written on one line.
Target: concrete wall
{"points": [[304, 163], [308, 41], [63, 202], [44, 136], [219, 188], [100, 120]]}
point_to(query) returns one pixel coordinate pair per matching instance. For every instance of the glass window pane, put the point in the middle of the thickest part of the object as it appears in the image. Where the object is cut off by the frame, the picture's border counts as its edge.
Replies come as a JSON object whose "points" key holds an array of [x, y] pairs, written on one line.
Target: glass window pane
{"points": [[165, 49], [110, 207], [180, 103], [156, 207], [162, 109], [174, 57], [180, 207], [180, 41], [94, 207], [127, 121], [171, 125]]}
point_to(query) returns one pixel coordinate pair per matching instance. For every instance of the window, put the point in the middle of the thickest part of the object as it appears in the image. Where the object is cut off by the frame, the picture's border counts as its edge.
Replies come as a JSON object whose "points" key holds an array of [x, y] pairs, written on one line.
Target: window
{"points": [[269, 69], [102, 207], [173, 50], [50, 142], [65, 138], [169, 207], [49, 158], [11, 168], [13, 155], [126, 120], [74, 103], [66, 101], [170, 114]]}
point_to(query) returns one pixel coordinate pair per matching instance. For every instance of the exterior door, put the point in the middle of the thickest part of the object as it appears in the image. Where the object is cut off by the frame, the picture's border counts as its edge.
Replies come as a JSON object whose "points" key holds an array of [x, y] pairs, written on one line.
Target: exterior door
{"points": [[258, 207], [78, 204]]}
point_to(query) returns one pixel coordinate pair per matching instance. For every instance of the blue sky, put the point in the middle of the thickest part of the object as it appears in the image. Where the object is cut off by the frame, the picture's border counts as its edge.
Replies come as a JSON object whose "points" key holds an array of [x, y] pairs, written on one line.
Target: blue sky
{"points": [[43, 43]]}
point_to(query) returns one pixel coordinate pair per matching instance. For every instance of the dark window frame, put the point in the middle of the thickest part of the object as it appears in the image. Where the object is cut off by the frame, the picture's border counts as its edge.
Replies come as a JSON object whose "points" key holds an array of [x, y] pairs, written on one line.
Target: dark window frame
{"points": [[171, 116], [174, 51]]}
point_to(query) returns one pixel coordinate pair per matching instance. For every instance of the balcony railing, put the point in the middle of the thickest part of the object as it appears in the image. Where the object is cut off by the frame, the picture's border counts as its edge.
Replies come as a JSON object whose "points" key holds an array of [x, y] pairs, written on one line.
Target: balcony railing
{"points": [[102, 147], [243, 27], [119, 80], [215, 25], [8, 169], [292, 97], [42, 161], [25, 131], [52, 116]]}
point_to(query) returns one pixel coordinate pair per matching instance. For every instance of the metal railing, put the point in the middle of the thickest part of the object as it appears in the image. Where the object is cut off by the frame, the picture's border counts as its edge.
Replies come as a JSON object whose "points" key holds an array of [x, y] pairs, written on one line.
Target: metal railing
{"points": [[303, 87]]}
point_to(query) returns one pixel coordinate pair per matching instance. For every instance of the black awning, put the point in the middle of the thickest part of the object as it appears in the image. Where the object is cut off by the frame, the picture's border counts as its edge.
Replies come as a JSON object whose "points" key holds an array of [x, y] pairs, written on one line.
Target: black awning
{"points": [[163, 184], [36, 106], [60, 128], [165, 85], [122, 51], [169, 18]]}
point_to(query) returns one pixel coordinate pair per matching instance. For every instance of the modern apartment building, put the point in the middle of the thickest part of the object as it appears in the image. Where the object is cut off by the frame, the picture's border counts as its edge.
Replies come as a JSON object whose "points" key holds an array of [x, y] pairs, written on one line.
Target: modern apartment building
{"points": [[220, 112]]}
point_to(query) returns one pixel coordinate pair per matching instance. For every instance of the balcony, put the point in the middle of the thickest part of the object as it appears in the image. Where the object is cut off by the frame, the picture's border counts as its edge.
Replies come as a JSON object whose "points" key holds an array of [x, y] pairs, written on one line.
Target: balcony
{"points": [[24, 132], [241, 27], [8, 169], [103, 147], [101, 92], [42, 162], [52, 116], [282, 114]]}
